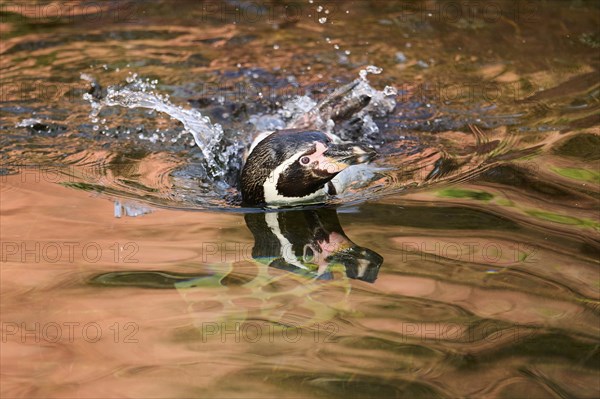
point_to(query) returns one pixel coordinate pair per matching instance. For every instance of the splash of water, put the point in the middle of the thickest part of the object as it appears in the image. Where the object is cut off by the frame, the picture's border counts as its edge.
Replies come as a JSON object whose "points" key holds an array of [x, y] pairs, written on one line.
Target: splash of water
{"points": [[221, 157], [343, 105], [300, 112], [140, 94]]}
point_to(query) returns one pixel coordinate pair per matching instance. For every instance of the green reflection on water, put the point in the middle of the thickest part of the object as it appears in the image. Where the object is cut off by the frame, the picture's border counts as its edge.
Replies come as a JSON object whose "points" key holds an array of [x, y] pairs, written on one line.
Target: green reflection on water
{"points": [[563, 219], [578, 174], [463, 193]]}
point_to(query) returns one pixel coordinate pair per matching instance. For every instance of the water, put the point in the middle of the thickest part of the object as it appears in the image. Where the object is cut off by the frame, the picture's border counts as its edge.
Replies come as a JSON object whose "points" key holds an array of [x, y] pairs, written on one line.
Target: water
{"points": [[221, 157], [467, 266]]}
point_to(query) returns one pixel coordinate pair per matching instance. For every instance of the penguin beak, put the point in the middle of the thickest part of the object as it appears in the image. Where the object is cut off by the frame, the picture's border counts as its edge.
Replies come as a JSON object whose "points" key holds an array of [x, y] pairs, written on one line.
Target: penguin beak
{"points": [[348, 154]]}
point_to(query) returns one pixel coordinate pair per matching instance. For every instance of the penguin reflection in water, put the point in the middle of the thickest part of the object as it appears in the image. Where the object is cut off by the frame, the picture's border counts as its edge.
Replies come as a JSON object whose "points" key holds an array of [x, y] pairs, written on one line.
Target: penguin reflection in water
{"points": [[308, 243], [311, 243]]}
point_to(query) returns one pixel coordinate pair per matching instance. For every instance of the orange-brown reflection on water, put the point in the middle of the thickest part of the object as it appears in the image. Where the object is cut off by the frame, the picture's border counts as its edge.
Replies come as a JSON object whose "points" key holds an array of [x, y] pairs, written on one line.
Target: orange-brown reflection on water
{"points": [[488, 288], [512, 314]]}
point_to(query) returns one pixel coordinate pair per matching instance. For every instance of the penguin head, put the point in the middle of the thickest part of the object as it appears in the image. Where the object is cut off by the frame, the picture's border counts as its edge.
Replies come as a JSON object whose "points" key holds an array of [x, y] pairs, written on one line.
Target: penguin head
{"points": [[293, 166]]}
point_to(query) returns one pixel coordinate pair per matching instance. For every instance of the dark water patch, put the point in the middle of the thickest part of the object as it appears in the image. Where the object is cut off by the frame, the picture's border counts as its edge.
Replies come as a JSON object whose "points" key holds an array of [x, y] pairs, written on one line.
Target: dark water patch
{"points": [[583, 146], [554, 347], [392, 347], [352, 386], [141, 279], [581, 83], [526, 180], [585, 122], [438, 218]]}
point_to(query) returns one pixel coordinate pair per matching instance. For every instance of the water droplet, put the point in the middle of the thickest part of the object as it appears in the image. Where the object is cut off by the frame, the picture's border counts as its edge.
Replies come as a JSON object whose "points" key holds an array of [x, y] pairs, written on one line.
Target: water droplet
{"points": [[422, 64], [374, 69], [400, 57], [390, 91]]}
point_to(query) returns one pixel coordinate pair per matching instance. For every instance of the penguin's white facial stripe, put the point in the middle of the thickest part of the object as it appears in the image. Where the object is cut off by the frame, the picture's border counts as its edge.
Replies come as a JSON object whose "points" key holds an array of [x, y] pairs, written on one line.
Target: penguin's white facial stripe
{"points": [[272, 196]]}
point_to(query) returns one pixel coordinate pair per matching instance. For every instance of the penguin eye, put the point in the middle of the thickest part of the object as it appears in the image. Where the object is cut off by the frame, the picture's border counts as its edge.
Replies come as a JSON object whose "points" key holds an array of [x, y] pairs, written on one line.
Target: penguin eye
{"points": [[304, 160]]}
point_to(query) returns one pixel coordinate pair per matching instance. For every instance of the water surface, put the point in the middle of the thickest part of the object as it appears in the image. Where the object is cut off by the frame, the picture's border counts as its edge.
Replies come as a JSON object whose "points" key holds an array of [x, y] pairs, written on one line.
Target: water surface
{"points": [[129, 268]]}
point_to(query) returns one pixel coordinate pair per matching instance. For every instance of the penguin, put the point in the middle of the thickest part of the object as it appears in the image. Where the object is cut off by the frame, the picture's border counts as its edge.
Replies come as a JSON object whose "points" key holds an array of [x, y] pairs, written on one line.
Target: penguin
{"points": [[295, 166]]}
